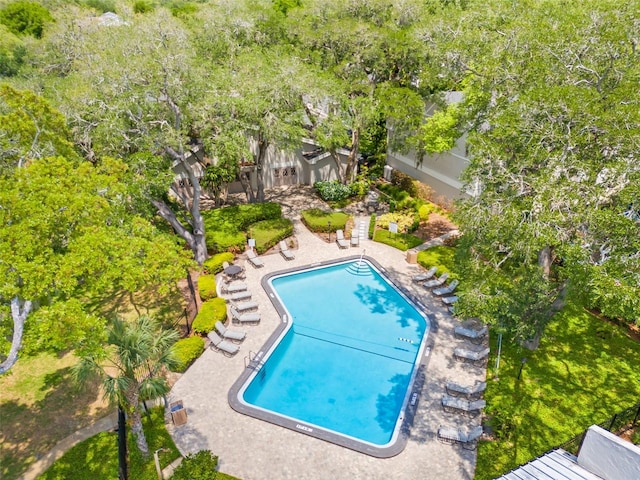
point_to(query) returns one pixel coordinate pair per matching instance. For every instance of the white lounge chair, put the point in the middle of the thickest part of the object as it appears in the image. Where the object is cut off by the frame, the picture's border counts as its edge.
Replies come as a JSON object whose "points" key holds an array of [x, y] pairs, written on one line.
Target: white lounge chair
{"points": [[450, 404], [254, 259], [452, 436], [436, 282], [234, 287], [446, 290], [342, 243], [229, 333], [449, 300], [284, 250], [476, 336], [243, 295], [355, 239], [221, 345], [246, 306], [253, 317], [470, 393], [473, 356], [421, 277]]}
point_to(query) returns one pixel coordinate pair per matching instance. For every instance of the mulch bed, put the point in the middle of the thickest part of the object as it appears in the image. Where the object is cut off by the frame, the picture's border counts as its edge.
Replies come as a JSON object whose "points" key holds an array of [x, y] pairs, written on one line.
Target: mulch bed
{"points": [[436, 226]]}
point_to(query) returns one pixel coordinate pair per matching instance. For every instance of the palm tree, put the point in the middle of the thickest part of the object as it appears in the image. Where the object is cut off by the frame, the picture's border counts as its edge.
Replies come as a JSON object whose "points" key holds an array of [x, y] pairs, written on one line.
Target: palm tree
{"points": [[131, 367]]}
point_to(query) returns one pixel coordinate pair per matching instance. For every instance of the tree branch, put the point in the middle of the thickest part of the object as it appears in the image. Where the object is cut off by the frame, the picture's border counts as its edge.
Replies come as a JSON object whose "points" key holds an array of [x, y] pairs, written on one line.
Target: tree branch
{"points": [[19, 316]]}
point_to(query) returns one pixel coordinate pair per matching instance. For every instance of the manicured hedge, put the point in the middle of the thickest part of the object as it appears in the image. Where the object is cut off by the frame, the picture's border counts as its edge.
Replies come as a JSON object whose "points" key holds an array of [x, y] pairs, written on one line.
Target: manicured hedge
{"points": [[207, 287], [372, 224], [210, 312], [269, 232], [213, 264], [225, 240], [186, 350], [317, 220]]}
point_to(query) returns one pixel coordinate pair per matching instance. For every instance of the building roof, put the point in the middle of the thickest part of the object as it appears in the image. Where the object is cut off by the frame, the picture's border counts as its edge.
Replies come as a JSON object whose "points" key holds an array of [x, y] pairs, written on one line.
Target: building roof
{"points": [[554, 465]]}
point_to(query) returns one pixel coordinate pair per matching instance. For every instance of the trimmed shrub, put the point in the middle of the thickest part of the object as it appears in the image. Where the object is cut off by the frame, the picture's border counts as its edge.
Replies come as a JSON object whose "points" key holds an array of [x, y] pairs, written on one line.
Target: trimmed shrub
{"points": [[207, 287], [317, 220], [407, 221], [197, 466], [333, 191], [211, 311], [404, 182], [359, 188], [372, 224], [213, 264], [185, 351], [268, 233], [225, 241], [427, 209]]}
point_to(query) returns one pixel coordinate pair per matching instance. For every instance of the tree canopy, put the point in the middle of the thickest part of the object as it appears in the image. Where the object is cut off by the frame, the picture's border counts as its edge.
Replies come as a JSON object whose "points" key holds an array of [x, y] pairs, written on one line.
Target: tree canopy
{"points": [[549, 112], [554, 123], [67, 236]]}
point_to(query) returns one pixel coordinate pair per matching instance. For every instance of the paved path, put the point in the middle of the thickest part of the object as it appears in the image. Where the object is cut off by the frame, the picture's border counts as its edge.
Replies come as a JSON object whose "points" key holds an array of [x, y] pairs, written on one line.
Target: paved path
{"points": [[107, 423]]}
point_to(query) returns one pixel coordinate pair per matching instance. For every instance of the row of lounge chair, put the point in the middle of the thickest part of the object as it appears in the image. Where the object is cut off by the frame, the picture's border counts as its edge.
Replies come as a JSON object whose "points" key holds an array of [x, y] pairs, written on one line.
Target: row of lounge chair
{"points": [[257, 262], [343, 242], [225, 340], [437, 285], [465, 399], [241, 310]]}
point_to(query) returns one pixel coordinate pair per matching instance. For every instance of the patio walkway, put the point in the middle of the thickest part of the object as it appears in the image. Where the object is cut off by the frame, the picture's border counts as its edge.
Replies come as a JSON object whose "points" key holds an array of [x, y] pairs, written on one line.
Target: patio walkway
{"points": [[252, 449]]}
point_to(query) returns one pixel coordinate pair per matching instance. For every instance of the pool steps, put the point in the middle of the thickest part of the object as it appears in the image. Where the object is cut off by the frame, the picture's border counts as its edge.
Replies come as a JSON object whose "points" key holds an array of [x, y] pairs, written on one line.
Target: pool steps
{"points": [[358, 269]]}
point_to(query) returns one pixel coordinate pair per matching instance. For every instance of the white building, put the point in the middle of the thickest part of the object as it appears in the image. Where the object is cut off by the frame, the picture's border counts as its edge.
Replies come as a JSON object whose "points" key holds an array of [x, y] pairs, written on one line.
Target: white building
{"points": [[304, 166], [441, 171]]}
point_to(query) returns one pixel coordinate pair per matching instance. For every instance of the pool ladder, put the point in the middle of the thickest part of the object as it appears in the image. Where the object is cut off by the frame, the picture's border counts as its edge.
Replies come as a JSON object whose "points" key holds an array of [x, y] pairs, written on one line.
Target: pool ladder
{"points": [[252, 361]]}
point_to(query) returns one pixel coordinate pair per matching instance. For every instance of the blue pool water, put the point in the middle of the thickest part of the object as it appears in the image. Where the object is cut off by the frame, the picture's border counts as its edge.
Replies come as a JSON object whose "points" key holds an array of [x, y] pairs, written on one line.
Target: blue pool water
{"points": [[347, 360]]}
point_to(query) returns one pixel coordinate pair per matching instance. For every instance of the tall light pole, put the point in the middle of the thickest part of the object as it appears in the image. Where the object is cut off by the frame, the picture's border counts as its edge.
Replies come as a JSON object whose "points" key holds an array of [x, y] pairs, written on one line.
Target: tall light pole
{"points": [[522, 362], [123, 473]]}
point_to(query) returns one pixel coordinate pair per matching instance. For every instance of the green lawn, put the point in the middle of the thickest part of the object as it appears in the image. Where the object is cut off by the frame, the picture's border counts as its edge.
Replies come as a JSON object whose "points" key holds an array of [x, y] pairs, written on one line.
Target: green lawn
{"points": [[97, 457], [584, 372], [439, 256], [401, 241], [318, 220], [269, 232], [40, 405]]}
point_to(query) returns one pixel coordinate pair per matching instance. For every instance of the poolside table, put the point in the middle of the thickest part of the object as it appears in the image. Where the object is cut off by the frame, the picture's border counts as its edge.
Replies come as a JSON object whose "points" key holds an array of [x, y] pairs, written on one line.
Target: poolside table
{"points": [[233, 270]]}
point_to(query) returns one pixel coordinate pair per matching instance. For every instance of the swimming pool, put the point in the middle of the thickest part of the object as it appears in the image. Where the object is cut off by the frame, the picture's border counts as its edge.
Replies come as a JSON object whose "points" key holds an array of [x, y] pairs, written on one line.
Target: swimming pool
{"points": [[343, 365]]}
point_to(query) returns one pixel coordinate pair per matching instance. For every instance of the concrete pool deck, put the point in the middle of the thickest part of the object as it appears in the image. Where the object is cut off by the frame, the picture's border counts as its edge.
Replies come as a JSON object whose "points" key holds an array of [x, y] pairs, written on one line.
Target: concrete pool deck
{"points": [[250, 449]]}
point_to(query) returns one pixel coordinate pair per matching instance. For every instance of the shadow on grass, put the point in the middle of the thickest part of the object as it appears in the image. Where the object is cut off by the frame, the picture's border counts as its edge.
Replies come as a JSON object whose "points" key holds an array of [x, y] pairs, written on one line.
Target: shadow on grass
{"points": [[30, 431], [167, 308], [584, 372]]}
